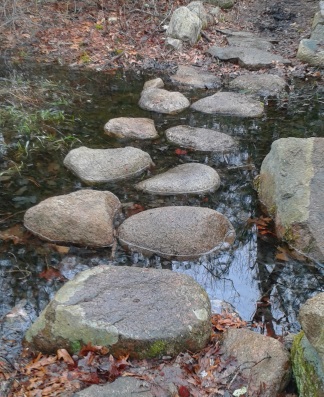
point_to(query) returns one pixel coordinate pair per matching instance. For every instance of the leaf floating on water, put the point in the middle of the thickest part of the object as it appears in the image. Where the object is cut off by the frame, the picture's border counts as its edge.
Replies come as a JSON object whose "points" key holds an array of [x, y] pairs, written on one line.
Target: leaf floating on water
{"points": [[50, 274]]}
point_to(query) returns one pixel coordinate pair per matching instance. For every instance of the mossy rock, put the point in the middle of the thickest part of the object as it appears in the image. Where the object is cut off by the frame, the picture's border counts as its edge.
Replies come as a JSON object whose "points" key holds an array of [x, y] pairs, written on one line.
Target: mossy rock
{"points": [[307, 368]]}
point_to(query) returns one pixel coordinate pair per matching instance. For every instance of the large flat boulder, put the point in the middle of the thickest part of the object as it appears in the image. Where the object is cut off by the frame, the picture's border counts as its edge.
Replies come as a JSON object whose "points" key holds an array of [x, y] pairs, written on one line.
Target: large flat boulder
{"points": [[194, 77], [291, 185], [311, 317], [142, 312], [190, 178], [263, 360], [131, 127], [107, 165], [179, 232], [249, 58], [264, 85], [202, 139], [85, 218], [163, 101], [249, 42], [229, 103]]}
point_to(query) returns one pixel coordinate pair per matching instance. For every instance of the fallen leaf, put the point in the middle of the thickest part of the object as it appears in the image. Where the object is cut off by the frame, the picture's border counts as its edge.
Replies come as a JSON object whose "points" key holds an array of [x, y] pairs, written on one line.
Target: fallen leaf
{"points": [[62, 353]]}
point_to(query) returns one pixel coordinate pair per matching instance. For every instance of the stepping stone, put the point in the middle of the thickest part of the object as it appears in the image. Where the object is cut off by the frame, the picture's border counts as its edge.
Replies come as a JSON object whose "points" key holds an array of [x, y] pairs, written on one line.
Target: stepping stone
{"points": [[129, 127], [229, 103], [107, 165], [261, 84], [183, 179], [85, 217], [181, 233], [250, 58], [202, 139], [195, 78], [163, 101], [154, 83], [142, 312], [249, 42], [311, 52]]}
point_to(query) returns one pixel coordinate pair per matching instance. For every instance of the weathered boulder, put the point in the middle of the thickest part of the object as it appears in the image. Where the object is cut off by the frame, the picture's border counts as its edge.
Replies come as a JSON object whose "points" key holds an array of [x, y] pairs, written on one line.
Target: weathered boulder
{"points": [[250, 58], [203, 139], [197, 7], [183, 179], [184, 25], [179, 232], [224, 4], [307, 368], [163, 101], [230, 103], [310, 51], [130, 127], [318, 33], [174, 44], [194, 77], [107, 165], [136, 311], [264, 361], [124, 386], [311, 317], [84, 217], [291, 185], [154, 83], [261, 84]]}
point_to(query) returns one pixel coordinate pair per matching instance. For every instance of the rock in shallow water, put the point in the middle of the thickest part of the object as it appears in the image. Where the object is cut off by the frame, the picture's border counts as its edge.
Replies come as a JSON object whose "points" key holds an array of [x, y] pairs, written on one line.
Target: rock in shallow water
{"points": [[163, 101], [135, 311], [229, 103], [194, 77], [84, 217], [261, 84], [202, 139], [181, 233], [130, 127], [183, 179], [107, 165]]}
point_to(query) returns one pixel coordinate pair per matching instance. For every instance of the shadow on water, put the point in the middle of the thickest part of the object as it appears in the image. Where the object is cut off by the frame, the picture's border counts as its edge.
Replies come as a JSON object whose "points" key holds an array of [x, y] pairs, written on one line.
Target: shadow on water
{"points": [[259, 286]]}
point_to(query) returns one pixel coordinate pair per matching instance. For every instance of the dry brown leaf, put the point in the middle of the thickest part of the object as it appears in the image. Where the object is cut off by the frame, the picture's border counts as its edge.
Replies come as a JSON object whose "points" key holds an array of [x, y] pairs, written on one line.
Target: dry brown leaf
{"points": [[63, 353]]}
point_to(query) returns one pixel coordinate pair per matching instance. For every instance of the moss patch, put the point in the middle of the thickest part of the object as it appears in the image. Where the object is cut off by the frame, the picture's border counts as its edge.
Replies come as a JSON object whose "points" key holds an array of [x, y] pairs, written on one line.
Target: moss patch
{"points": [[157, 349]]}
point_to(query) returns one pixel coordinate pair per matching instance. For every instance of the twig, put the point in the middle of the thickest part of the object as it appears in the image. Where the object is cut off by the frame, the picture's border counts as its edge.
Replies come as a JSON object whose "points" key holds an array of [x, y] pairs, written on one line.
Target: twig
{"points": [[205, 36]]}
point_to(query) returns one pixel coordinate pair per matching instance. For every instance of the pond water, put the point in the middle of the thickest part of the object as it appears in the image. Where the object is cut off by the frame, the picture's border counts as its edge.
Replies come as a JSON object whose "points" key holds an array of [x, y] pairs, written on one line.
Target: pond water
{"points": [[250, 277]]}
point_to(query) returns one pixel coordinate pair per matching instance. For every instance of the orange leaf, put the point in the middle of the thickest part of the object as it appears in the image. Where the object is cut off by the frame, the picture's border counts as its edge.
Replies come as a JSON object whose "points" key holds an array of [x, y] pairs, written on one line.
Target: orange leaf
{"points": [[62, 353]]}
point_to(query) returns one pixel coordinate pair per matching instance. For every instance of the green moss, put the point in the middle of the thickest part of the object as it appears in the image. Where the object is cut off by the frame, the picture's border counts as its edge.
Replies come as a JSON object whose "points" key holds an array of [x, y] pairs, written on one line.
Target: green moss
{"points": [[305, 368], [157, 349], [289, 236], [75, 346]]}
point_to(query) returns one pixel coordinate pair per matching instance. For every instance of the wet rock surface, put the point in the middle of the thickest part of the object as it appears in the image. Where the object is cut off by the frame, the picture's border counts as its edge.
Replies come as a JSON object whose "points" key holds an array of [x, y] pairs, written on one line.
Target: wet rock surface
{"points": [[261, 84], [120, 307], [265, 360], [163, 101], [249, 58], [121, 387], [202, 139], [229, 103], [85, 217], [183, 179], [291, 186], [177, 232], [107, 165], [130, 127], [194, 77]]}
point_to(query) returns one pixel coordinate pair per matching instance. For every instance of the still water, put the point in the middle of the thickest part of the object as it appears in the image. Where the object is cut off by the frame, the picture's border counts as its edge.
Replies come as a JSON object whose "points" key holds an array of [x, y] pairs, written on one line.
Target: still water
{"points": [[250, 277]]}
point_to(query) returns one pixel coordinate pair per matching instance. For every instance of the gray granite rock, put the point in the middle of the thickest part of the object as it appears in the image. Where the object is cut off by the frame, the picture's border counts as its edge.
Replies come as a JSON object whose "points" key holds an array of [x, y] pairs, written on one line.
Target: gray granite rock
{"points": [[142, 312], [130, 127], [107, 165], [264, 361], [318, 33], [197, 7], [178, 232], [261, 84], [85, 217], [195, 77], [202, 139], [154, 83], [190, 178], [311, 52], [250, 58], [249, 42], [184, 25], [163, 101], [175, 44], [230, 103]]}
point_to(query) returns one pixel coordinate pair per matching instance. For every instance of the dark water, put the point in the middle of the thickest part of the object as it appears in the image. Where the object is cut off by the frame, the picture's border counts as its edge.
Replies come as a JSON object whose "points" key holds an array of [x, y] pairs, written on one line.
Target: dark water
{"points": [[242, 277]]}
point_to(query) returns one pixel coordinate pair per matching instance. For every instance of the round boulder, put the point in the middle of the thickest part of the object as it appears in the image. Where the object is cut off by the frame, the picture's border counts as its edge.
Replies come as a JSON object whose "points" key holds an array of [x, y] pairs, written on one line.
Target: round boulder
{"points": [[129, 127], [107, 165], [85, 218], [163, 101], [183, 179], [229, 103], [145, 313], [181, 233], [202, 139]]}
